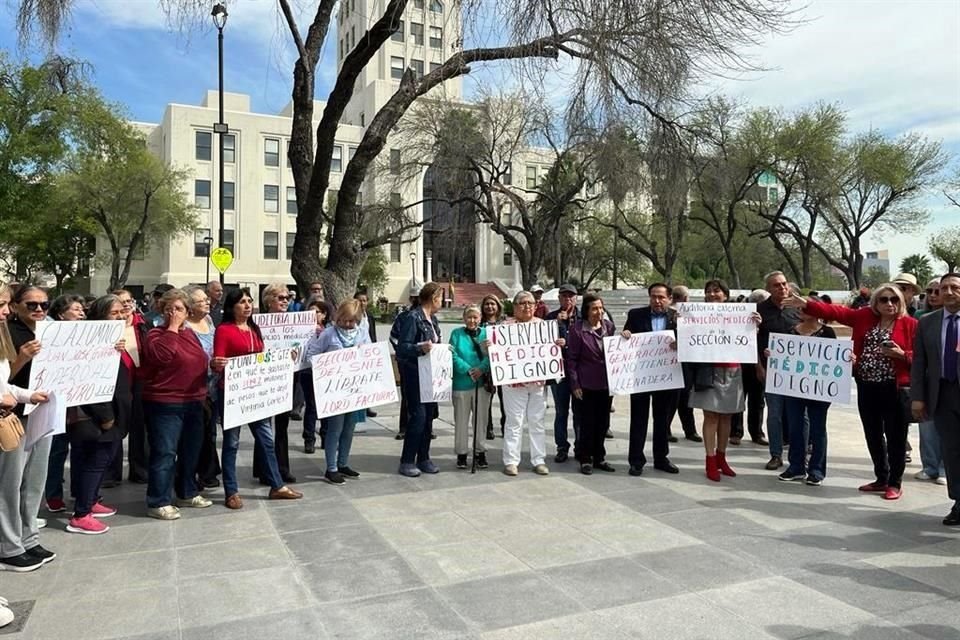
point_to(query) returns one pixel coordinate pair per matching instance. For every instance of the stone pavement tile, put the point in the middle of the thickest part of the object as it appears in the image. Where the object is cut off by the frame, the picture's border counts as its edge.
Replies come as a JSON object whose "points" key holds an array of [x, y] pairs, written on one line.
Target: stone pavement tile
{"points": [[415, 533], [874, 629], [444, 564], [35, 584], [100, 614], [553, 545], [247, 554], [332, 579], [918, 527], [298, 624], [649, 500], [421, 504], [149, 535], [580, 625], [707, 524], [210, 600], [634, 533], [116, 573], [376, 484], [161, 635], [536, 490], [935, 565], [231, 525], [939, 621], [701, 567], [681, 617], [779, 601], [21, 610], [508, 601], [611, 582], [510, 520], [354, 541], [301, 516], [419, 613]]}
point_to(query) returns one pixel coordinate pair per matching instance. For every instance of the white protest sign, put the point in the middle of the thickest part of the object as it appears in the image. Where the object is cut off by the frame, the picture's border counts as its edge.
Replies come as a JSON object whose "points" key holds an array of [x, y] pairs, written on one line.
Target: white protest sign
{"points": [[525, 352], [78, 360], [644, 363], [49, 419], [351, 379], [810, 368], [257, 386], [436, 374], [721, 332], [289, 331]]}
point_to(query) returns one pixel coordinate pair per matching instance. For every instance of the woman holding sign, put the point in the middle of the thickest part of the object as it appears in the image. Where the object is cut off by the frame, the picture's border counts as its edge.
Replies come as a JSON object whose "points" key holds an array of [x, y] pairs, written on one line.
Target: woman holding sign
{"points": [[418, 331], [587, 370], [471, 396], [883, 337], [239, 335], [324, 310], [345, 333]]}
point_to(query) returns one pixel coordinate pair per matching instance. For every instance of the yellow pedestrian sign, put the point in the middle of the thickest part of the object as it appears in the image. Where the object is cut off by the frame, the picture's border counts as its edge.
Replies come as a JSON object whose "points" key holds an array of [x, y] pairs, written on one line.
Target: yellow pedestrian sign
{"points": [[221, 258]]}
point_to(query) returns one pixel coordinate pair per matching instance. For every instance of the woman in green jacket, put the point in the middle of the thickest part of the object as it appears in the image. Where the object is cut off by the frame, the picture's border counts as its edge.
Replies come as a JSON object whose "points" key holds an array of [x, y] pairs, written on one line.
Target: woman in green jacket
{"points": [[471, 386]]}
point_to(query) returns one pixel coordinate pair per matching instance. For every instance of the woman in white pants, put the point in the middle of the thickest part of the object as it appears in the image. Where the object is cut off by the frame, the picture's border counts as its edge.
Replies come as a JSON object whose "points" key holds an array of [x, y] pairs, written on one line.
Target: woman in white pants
{"points": [[524, 404]]}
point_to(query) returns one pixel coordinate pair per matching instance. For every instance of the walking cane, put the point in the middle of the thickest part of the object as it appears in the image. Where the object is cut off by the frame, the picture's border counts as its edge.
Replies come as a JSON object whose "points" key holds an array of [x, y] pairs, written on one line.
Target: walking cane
{"points": [[473, 453]]}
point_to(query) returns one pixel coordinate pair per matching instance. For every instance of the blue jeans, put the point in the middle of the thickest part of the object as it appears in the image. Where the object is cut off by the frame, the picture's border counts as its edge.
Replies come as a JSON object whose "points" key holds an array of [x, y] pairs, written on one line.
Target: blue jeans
{"points": [[175, 436], [930, 454], [262, 431], [338, 439], [775, 413], [59, 449], [816, 412], [91, 459], [309, 408], [416, 440], [561, 400]]}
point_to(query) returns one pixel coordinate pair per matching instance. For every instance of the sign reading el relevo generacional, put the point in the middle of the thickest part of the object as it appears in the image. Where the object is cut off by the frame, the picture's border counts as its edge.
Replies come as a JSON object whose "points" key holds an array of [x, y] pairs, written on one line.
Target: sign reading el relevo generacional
{"points": [[525, 352], [351, 379], [721, 332], [290, 331], [810, 368], [257, 386], [644, 363], [436, 374], [78, 360]]}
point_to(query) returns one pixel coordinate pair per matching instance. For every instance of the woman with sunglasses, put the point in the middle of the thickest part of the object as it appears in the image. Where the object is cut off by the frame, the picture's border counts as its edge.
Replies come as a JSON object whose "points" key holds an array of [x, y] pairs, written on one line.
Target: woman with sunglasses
{"points": [[883, 337], [239, 335]]}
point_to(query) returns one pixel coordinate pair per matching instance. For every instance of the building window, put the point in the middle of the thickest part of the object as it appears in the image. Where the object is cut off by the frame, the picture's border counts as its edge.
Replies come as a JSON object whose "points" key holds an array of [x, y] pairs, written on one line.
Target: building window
{"points": [[507, 258], [228, 241], [434, 66], [291, 238], [292, 200], [398, 35], [416, 33], [531, 177], [271, 152], [363, 119], [341, 48], [436, 38], [336, 160], [395, 161], [201, 194], [436, 6], [351, 151], [271, 198], [396, 201], [508, 174], [229, 148], [204, 142], [417, 66], [228, 196], [395, 249], [200, 243], [271, 246], [353, 37], [396, 67], [418, 4]]}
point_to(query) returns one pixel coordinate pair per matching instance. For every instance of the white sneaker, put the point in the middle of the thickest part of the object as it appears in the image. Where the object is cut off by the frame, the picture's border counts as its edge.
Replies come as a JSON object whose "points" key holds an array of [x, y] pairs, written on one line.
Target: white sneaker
{"points": [[169, 512], [197, 502], [922, 475], [41, 523], [941, 481], [6, 616]]}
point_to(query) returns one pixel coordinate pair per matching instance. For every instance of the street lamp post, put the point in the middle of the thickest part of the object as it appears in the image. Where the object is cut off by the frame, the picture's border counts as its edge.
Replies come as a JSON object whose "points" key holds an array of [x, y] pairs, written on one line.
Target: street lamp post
{"points": [[413, 268], [219, 14], [209, 242]]}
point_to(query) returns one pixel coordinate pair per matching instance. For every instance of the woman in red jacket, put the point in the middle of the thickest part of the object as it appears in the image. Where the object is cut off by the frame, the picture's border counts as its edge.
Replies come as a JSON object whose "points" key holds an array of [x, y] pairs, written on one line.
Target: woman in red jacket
{"points": [[883, 349], [173, 396]]}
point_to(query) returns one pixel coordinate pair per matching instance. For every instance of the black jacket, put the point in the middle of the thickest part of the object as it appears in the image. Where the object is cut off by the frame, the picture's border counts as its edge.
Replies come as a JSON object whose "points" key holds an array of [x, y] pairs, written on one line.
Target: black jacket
{"points": [[640, 320]]}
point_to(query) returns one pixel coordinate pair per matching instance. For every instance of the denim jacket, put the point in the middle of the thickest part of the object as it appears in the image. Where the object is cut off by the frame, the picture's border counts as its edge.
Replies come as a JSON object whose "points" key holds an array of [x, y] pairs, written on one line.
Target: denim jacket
{"points": [[414, 328]]}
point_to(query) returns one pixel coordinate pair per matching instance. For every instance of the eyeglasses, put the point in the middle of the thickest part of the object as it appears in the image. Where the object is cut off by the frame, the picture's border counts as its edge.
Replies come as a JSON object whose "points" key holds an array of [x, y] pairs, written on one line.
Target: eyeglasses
{"points": [[283, 298], [37, 306], [933, 291], [126, 302], [888, 300], [526, 303]]}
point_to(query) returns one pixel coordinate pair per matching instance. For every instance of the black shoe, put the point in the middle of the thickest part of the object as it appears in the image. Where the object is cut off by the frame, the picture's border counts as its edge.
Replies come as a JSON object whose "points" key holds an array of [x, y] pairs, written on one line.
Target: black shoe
{"points": [[672, 439], [907, 458], [347, 472], [289, 479], [482, 461], [635, 470], [604, 466], [109, 484], [433, 436], [400, 436], [608, 435], [693, 437], [263, 482], [295, 416], [210, 483], [761, 441], [334, 477], [490, 435], [666, 466], [44, 555], [953, 518], [586, 469], [21, 563], [371, 413], [309, 447], [562, 456], [461, 461], [133, 479]]}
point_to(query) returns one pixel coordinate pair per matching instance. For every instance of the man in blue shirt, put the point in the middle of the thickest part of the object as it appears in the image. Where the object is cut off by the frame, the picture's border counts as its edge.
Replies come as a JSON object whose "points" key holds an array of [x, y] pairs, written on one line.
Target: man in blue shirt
{"points": [[566, 315]]}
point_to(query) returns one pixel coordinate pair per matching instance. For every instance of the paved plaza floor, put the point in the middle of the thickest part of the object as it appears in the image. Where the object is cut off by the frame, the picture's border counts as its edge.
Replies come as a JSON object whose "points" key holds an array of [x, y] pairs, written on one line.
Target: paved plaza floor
{"points": [[487, 556]]}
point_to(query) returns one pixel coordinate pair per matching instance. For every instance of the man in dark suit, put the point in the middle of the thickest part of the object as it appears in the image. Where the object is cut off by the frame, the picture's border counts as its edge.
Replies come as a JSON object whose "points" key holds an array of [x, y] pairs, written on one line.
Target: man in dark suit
{"points": [[679, 294], [935, 382], [658, 316]]}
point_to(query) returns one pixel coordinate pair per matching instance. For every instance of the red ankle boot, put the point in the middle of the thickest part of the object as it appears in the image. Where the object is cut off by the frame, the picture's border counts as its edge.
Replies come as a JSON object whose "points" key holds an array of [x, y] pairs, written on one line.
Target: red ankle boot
{"points": [[713, 472], [724, 467]]}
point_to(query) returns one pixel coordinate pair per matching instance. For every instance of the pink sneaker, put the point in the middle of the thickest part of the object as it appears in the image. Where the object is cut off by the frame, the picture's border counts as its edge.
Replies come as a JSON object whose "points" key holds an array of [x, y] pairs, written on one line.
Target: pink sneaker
{"points": [[102, 511], [87, 524], [56, 505]]}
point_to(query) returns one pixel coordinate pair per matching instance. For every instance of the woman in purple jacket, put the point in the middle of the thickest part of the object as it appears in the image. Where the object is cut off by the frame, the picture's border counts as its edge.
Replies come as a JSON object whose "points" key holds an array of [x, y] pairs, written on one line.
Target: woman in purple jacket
{"points": [[587, 372]]}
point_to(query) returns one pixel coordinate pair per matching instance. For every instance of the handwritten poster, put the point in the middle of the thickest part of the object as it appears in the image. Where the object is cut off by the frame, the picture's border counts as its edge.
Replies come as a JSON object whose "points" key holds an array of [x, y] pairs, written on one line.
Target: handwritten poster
{"points": [[810, 368], [289, 331], [350, 379], [716, 332], [257, 386], [78, 360], [49, 419], [644, 363], [525, 352], [436, 374]]}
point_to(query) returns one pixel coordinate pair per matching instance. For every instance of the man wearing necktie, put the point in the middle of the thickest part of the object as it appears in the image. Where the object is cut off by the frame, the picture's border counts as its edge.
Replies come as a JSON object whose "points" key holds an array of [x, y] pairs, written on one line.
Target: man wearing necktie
{"points": [[935, 383], [658, 316]]}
